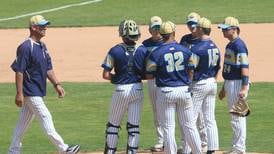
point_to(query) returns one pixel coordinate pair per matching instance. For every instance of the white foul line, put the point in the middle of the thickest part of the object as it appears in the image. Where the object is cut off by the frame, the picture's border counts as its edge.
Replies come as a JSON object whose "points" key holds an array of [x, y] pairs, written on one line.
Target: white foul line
{"points": [[50, 10]]}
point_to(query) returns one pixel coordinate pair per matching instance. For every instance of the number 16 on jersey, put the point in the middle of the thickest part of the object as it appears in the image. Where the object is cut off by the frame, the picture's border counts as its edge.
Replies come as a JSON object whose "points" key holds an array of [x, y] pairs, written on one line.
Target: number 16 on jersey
{"points": [[213, 57]]}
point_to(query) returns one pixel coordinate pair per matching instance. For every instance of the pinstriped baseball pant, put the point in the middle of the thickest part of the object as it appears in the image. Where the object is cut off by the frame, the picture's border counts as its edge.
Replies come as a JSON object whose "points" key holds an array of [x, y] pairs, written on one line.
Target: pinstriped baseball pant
{"points": [[152, 89], [35, 107], [200, 123], [128, 97], [204, 97], [172, 100], [232, 89]]}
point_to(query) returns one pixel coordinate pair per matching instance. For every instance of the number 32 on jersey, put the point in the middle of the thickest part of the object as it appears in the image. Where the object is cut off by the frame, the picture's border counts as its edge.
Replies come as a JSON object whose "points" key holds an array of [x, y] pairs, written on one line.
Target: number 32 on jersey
{"points": [[174, 61]]}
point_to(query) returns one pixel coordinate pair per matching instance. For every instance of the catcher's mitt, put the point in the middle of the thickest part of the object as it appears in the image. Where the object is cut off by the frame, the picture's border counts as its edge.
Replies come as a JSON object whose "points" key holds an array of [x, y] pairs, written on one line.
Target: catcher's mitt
{"points": [[241, 108]]}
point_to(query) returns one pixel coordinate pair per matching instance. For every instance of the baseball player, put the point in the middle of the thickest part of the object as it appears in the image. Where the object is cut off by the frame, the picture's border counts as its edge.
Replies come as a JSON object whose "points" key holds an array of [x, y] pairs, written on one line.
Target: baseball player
{"points": [[236, 76], [32, 68], [189, 40], [128, 94], [151, 44], [204, 85], [172, 65]]}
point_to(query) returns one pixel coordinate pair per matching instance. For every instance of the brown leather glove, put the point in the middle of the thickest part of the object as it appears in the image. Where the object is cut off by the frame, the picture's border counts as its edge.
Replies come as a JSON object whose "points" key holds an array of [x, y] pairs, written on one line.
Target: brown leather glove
{"points": [[241, 108]]}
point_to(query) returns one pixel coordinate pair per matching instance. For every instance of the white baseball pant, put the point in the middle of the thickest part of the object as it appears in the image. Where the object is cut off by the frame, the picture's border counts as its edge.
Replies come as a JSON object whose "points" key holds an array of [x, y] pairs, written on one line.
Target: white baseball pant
{"points": [[204, 98], [171, 100], [35, 107], [232, 89], [200, 124], [152, 90], [127, 97]]}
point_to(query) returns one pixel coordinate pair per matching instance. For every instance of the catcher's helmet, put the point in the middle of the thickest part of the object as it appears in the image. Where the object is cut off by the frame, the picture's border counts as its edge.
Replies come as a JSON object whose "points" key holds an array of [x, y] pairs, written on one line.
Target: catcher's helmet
{"points": [[129, 29]]}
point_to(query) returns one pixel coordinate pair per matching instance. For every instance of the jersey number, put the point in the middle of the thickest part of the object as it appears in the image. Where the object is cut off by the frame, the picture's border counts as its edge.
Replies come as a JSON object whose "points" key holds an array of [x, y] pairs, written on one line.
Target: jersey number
{"points": [[227, 68], [174, 61], [213, 56]]}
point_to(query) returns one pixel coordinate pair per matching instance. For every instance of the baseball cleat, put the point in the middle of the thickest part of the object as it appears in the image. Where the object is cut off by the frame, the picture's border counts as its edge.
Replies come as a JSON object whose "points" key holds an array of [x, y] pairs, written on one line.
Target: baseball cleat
{"points": [[210, 152], [159, 147], [73, 149], [234, 151], [204, 148]]}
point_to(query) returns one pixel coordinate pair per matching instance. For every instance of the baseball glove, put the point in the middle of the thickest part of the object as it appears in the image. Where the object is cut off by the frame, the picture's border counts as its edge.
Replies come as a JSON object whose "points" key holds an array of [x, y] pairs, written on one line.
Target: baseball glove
{"points": [[241, 108]]}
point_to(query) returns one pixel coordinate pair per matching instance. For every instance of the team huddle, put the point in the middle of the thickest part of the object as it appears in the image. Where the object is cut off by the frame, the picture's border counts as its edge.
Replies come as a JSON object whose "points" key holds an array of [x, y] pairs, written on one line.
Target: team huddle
{"points": [[181, 79]]}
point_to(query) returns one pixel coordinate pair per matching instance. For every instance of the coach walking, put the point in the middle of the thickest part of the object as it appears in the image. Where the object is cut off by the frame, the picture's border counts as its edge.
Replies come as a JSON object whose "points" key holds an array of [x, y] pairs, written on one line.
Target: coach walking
{"points": [[32, 68]]}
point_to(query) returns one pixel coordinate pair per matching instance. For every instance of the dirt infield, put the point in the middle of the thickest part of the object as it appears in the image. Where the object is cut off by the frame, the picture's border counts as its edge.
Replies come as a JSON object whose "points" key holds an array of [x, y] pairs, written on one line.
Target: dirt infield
{"points": [[78, 52]]}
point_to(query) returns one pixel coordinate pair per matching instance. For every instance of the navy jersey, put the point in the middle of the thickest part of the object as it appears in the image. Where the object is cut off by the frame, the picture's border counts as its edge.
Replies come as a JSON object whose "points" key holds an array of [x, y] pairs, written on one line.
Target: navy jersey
{"points": [[170, 63], [188, 40], [151, 45], [33, 61], [209, 59], [236, 58], [122, 58]]}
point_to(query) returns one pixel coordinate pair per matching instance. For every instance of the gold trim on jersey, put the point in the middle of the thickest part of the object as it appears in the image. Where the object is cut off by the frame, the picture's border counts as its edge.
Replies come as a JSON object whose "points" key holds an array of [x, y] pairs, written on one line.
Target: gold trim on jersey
{"points": [[109, 61], [232, 59], [242, 59], [194, 60], [150, 66]]}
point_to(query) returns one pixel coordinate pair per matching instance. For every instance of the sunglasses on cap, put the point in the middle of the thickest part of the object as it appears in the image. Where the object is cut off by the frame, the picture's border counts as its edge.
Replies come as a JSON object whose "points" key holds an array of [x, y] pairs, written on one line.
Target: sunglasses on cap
{"points": [[227, 29], [192, 24], [155, 27]]}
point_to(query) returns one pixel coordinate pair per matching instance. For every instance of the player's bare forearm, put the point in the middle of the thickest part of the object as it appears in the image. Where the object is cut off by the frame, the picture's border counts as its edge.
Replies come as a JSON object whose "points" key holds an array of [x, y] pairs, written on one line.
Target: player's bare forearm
{"points": [[222, 93], [19, 82], [245, 71], [190, 74], [149, 76], [52, 78], [216, 76], [107, 75], [218, 72], [57, 85], [19, 98]]}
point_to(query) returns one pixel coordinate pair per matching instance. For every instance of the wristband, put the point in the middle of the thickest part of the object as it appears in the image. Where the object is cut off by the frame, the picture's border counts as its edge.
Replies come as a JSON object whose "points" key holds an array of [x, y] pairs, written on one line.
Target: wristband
{"points": [[244, 80]]}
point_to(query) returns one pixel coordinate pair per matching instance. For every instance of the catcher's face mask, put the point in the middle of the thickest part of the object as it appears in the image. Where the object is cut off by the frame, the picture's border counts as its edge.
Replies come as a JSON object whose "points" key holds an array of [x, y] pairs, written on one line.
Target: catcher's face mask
{"points": [[129, 29]]}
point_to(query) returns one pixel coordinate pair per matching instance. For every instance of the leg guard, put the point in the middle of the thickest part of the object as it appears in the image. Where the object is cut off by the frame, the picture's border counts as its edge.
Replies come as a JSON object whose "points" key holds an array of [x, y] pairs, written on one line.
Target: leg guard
{"points": [[111, 138], [133, 138], [131, 150]]}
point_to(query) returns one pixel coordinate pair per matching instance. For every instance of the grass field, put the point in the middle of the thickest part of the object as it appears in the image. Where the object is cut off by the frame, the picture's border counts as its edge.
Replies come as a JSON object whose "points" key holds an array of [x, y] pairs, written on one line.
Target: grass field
{"points": [[81, 116], [110, 12]]}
